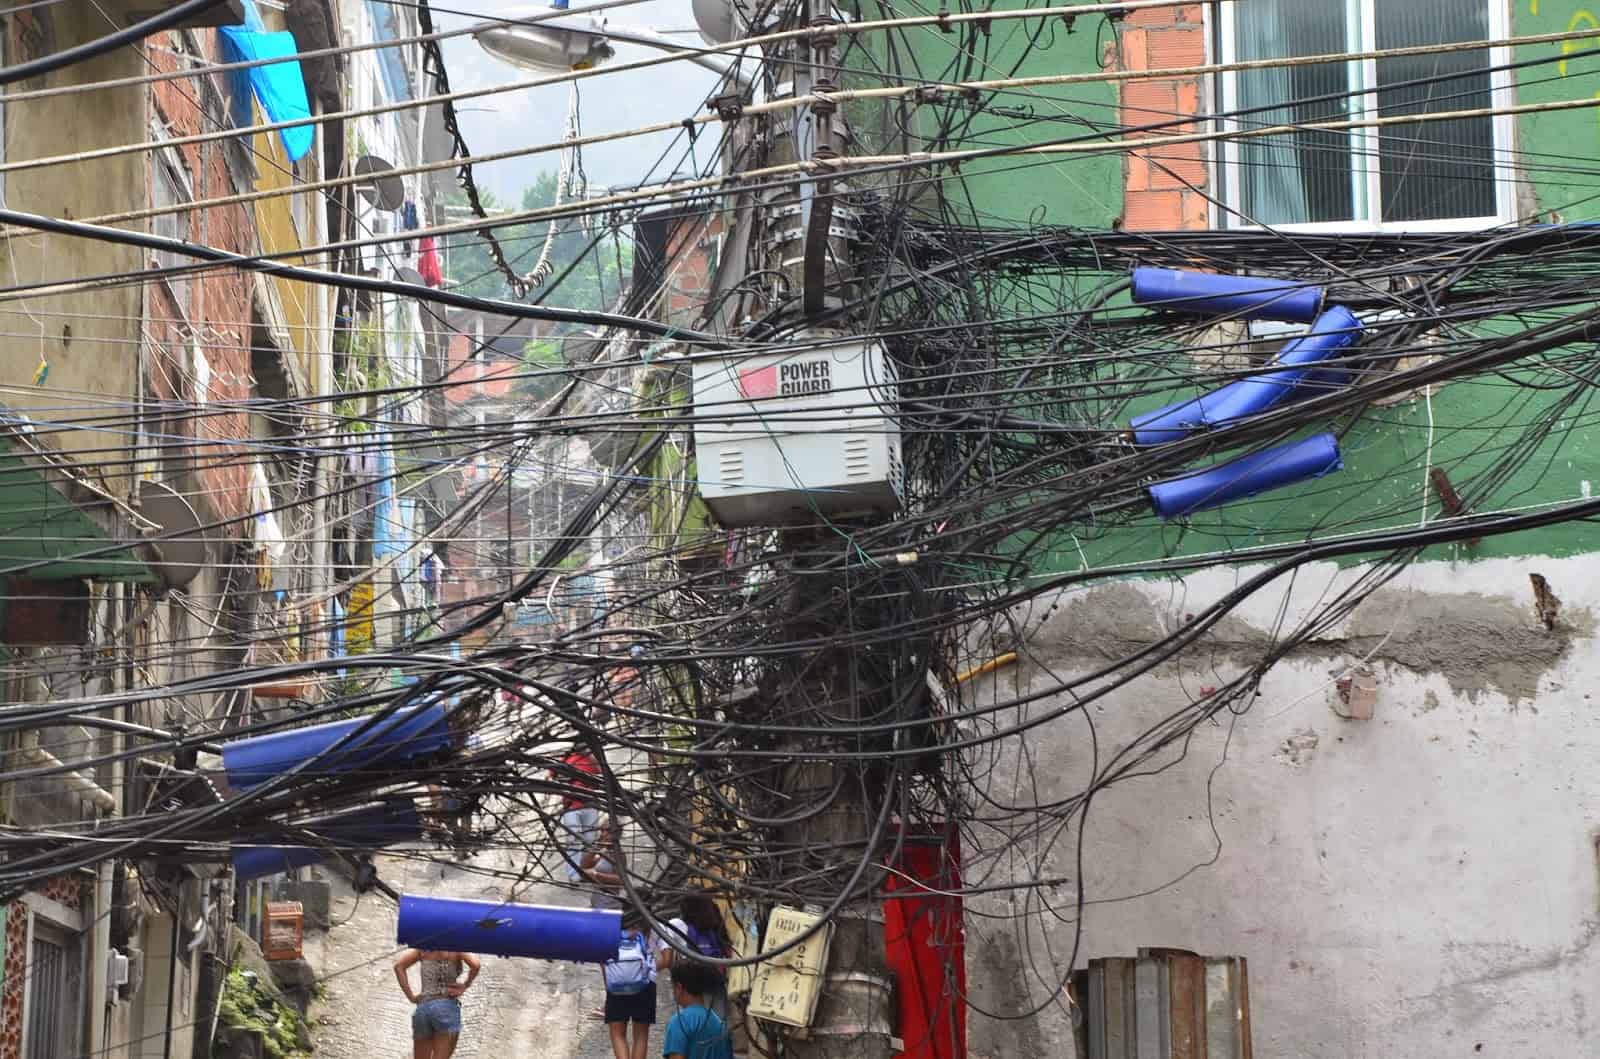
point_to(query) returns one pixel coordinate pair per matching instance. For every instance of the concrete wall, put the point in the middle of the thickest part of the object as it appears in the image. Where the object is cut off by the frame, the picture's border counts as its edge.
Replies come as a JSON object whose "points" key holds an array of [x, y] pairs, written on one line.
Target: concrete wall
{"points": [[1426, 882], [89, 340]]}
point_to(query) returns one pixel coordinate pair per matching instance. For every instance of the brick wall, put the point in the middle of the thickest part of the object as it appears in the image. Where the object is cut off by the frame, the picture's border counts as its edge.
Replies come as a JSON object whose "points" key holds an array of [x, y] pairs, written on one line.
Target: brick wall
{"points": [[16, 927], [493, 373], [219, 304], [490, 376], [13, 975], [1164, 187], [689, 251]]}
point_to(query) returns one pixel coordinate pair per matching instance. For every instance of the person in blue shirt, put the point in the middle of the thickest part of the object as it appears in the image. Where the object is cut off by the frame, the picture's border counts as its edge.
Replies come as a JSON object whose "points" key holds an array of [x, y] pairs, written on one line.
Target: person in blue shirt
{"points": [[695, 1032]]}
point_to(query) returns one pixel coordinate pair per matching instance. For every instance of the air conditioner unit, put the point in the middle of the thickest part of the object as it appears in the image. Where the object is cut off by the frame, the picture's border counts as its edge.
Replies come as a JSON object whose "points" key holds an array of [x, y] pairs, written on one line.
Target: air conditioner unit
{"points": [[794, 437]]}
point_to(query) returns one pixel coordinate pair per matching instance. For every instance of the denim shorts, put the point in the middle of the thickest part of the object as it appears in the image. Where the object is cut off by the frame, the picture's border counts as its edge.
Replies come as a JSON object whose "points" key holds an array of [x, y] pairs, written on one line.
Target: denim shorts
{"points": [[433, 1017]]}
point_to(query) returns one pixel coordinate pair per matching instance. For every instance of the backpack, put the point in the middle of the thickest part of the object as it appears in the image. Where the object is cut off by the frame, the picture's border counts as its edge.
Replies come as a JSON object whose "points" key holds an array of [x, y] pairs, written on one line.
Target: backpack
{"points": [[633, 970], [706, 944]]}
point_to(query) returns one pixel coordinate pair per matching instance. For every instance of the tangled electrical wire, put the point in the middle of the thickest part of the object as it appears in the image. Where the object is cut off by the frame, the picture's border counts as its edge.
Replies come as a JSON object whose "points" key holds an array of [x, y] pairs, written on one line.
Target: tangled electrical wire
{"points": [[779, 711]]}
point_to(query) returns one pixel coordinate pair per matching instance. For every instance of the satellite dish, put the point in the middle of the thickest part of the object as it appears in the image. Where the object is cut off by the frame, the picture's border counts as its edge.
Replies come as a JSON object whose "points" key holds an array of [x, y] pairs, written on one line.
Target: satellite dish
{"points": [[716, 21], [385, 189], [179, 550], [407, 274]]}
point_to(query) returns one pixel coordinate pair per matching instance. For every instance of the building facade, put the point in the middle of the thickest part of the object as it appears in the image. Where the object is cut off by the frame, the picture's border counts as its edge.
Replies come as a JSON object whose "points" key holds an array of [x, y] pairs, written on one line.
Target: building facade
{"points": [[1398, 834]]}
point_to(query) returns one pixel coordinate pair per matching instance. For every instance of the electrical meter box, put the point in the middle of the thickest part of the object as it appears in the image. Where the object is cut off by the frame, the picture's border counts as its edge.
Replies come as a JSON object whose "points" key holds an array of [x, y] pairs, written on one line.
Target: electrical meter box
{"points": [[793, 437]]}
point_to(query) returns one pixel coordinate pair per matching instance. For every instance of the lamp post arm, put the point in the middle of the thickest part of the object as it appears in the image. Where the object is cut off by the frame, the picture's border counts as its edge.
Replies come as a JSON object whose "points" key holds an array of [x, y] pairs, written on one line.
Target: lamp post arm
{"points": [[649, 38]]}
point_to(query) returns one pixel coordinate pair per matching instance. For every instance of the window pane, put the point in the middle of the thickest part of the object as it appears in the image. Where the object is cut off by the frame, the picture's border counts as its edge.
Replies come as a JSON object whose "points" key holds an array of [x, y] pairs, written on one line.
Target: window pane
{"points": [[1440, 169], [166, 191], [1305, 176]]}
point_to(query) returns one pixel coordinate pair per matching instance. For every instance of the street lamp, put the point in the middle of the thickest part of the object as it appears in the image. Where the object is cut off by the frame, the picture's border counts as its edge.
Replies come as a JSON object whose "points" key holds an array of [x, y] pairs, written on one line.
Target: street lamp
{"points": [[578, 42]]}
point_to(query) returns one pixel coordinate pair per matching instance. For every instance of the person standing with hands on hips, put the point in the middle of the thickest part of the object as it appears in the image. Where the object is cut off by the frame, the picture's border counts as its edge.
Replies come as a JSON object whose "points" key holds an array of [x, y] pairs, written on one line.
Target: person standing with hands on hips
{"points": [[436, 1022]]}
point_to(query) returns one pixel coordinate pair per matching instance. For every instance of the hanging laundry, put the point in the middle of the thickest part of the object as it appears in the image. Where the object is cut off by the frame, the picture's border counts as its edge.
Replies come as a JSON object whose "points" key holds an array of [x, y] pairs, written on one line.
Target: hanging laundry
{"points": [[428, 263], [280, 87], [408, 222]]}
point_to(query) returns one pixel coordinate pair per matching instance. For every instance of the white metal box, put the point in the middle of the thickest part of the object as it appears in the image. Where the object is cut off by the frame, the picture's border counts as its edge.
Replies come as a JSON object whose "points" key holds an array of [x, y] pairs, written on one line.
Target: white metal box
{"points": [[793, 437]]}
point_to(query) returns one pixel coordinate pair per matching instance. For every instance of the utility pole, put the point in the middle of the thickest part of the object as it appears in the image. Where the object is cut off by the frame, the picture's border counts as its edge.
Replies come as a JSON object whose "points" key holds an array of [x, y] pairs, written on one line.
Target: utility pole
{"points": [[806, 235]]}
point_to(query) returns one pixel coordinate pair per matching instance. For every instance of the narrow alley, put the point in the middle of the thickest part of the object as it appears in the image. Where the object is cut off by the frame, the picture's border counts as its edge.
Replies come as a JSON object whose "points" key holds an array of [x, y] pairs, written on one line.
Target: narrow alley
{"points": [[517, 1009]]}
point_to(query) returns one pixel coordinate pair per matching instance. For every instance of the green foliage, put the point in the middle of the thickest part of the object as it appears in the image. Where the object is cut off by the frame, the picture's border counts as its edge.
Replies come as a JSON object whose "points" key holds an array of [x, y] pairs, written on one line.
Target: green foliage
{"points": [[539, 355], [594, 281], [245, 1008], [365, 369]]}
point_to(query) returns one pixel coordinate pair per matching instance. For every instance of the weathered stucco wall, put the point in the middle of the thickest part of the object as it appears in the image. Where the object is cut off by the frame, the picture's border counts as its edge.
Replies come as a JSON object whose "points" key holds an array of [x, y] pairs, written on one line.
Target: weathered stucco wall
{"points": [[88, 339], [1422, 883]]}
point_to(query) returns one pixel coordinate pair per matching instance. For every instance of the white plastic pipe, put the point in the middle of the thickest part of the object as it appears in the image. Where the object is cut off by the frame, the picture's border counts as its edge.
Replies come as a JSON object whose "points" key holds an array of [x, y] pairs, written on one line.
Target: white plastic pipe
{"points": [[91, 791]]}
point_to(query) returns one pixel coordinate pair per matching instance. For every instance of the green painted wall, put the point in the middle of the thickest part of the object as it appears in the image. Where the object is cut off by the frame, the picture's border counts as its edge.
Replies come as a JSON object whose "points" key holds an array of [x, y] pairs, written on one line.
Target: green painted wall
{"points": [[1464, 428], [1472, 424], [1084, 190], [1559, 146]]}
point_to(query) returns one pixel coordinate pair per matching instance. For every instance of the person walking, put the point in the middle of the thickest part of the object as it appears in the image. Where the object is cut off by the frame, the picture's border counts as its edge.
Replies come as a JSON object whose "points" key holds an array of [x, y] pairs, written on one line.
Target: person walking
{"points": [[630, 981], [695, 1032], [436, 1021], [580, 816], [700, 927]]}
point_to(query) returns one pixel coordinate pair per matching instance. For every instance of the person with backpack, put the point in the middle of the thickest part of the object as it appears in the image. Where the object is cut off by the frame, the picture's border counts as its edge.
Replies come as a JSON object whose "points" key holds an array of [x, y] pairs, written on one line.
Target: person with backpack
{"points": [[701, 928], [631, 991], [695, 1032]]}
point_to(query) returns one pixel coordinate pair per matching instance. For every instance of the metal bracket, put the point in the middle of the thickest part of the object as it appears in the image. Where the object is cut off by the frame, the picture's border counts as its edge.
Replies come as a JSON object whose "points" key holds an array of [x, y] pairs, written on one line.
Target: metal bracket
{"points": [[729, 105]]}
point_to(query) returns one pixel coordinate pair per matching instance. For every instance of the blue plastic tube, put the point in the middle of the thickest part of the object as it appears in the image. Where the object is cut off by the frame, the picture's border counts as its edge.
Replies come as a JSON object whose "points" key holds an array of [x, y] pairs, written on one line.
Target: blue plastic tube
{"points": [[1281, 465], [403, 736], [1241, 297], [368, 828], [542, 932], [1292, 375]]}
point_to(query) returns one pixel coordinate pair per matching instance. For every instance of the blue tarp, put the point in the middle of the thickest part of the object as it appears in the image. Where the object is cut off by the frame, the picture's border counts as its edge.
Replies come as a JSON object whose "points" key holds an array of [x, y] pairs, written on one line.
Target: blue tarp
{"points": [[281, 87]]}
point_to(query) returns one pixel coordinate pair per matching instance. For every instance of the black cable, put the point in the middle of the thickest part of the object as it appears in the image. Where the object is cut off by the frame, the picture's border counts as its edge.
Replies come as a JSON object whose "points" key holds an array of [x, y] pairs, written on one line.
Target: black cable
{"points": [[418, 291], [45, 64]]}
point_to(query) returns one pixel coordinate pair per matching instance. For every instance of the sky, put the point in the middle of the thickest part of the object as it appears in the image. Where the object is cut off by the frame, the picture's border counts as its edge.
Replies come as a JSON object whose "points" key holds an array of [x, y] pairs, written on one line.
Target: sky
{"points": [[607, 104]]}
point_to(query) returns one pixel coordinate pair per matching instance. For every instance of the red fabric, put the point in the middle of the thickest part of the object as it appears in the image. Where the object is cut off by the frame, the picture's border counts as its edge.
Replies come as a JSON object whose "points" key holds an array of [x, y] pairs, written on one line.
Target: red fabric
{"points": [[428, 263], [583, 762], [926, 947]]}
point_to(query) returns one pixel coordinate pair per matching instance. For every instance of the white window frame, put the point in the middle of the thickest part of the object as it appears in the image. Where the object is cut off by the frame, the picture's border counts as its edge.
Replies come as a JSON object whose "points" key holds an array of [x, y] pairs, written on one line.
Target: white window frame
{"points": [[167, 160], [1365, 171]]}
